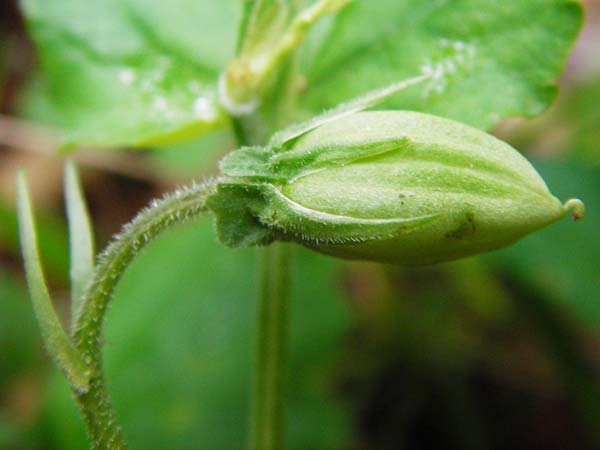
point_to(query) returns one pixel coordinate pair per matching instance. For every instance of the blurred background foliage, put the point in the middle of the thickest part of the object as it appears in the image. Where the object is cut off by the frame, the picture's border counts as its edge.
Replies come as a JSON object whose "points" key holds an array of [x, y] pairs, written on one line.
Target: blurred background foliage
{"points": [[494, 352]]}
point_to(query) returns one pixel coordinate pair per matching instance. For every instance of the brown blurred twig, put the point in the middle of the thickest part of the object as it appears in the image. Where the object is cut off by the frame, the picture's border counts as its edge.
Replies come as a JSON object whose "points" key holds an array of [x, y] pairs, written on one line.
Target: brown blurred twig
{"points": [[25, 136]]}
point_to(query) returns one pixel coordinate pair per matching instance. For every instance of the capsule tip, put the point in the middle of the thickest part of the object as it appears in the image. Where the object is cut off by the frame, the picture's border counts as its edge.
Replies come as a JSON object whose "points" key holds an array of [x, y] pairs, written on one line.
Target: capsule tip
{"points": [[576, 207]]}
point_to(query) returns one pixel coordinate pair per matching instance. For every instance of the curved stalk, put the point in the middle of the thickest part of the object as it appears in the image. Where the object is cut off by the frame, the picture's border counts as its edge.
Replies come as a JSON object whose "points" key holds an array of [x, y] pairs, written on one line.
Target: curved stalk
{"points": [[179, 207]]}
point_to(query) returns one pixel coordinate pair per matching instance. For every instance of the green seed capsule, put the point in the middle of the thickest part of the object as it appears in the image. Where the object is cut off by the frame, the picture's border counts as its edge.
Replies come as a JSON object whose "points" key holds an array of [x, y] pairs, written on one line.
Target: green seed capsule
{"points": [[390, 186]]}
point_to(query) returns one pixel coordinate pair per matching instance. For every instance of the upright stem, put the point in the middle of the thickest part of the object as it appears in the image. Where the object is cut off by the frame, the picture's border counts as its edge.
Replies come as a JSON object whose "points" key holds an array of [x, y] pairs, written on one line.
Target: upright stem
{"points": [[267, 415], [267, 393], [268, 397]]}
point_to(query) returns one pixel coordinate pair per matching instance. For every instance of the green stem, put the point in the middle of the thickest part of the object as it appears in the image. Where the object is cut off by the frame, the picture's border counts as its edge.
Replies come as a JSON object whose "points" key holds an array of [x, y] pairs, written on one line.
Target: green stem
{"points": [[182, 206], [267, 394], [267, 415], [268, 399]]}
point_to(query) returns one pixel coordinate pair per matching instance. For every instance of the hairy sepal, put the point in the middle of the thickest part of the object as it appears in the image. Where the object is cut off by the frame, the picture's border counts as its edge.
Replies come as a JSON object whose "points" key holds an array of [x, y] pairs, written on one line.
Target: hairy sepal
{"points": [[237, 207], [256, 214], [282, 165]]}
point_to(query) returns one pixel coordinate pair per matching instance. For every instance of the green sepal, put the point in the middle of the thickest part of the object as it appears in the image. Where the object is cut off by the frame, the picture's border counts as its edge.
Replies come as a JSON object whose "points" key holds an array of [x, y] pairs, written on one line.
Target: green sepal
{"points": [[266, 164], [292, 163], [291, 221], [249, 162], [279, 162], [251, 214], [290, 134], [237, 207]]}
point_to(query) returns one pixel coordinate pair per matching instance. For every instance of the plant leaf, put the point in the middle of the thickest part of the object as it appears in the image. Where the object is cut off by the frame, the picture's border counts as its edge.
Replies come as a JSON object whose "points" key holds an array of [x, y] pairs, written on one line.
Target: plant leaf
{"points": [[80, 235], [133, 72], [58, 344], [487, 60]]}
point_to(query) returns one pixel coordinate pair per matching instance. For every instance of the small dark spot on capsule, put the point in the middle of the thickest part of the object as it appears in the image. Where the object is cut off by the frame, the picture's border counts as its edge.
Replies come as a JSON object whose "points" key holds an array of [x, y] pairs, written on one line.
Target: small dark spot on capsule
{"points": [[466, 228]]}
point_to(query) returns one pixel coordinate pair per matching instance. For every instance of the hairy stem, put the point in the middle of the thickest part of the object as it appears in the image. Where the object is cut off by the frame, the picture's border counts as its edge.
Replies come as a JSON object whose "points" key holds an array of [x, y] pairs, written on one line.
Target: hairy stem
{"points": [[267, 416], [181, 206]]}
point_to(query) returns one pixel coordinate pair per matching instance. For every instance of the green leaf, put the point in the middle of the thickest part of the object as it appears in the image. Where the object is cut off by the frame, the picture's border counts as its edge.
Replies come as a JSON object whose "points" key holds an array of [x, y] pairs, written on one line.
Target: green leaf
{"points": [[58, 344], [51, 236], [80, 234], [19, 343], [134, 72], [192, 159], [488, 60], [583, 116], [21, 359]]}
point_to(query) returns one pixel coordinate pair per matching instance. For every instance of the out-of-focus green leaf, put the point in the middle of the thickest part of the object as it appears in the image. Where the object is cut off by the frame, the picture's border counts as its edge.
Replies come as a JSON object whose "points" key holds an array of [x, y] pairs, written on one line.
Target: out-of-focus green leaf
{"points": [[19, 341], [56, 341], [14, 434], [194, 159], [179, 354], [487, 59], [582, 117], [561, 261], [35, 104], [21, 364], [352, 106], [80, 233], [134, 72], [52, 239]]}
